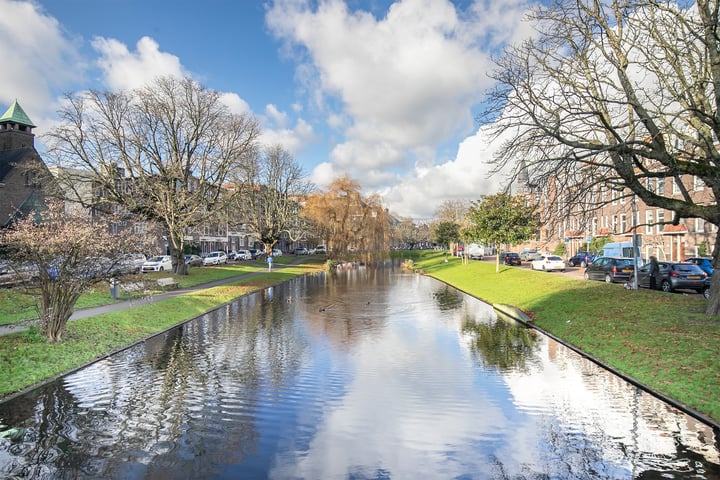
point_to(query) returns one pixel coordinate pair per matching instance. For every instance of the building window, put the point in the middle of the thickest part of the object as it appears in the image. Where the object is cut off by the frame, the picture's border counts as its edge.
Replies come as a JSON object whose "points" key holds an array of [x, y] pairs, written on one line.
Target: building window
{"points": [[697, 183], [699, 225], [660, 219], [623, 223], [661, 186], [614, 223], [648, 221], [676, 187]]}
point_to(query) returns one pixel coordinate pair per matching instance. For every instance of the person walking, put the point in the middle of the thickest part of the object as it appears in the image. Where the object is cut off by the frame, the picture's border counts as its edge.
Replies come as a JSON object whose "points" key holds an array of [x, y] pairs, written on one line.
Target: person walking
{"points": [[269, 262], [654, 272]]}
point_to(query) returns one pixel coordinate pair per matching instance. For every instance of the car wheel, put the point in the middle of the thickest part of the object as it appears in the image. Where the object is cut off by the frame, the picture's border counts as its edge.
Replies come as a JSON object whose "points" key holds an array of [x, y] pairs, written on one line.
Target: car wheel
{"points": [[544, 269], [583, 263], [665, 286], [587, 276], [608, 278], [706, 293], [162, 269]]}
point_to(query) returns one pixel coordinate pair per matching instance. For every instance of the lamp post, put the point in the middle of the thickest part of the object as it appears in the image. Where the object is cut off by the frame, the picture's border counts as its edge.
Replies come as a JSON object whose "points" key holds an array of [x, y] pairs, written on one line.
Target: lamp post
{"points": [[634, 244]]}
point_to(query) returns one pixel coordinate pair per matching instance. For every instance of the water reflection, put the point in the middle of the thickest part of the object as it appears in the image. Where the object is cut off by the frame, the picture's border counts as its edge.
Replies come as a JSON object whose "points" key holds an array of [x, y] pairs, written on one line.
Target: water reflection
{"points": [[502, 345], [370, 373]]}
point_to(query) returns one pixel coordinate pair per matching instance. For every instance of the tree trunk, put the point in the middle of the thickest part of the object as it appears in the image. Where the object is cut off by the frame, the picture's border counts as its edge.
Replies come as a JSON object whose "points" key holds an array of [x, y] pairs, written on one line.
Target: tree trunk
{"points": [[713, 305], [55, 311], [176, 244]]}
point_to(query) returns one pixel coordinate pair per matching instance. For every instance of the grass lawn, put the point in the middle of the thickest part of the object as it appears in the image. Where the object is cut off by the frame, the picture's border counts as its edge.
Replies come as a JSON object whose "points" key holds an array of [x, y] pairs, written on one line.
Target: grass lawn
{"points": [[26, 358], [664, 341], [17, 305]]}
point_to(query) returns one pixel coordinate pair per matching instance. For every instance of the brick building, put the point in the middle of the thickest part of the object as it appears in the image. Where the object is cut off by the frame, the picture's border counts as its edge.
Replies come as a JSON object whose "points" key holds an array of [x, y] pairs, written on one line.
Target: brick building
{"points": [[22, 171], [617, 213]]}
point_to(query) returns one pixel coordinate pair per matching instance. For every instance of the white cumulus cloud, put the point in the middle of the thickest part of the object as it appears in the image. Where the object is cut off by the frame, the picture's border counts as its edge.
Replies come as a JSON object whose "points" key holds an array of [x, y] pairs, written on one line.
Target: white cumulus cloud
{"points": [[400, 88]]}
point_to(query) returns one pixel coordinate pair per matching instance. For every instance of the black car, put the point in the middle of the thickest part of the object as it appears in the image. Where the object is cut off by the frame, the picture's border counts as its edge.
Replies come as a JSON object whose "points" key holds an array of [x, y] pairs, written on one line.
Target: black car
{"points": [[582, 259], [610, 269], [674, 276], [510, 258]]}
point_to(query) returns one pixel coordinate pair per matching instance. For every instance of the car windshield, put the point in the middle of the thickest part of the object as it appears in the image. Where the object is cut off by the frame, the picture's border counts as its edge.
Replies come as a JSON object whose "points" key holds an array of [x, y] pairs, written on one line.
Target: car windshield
{"points": [[555, 259], [688, 268], [156, 259]]}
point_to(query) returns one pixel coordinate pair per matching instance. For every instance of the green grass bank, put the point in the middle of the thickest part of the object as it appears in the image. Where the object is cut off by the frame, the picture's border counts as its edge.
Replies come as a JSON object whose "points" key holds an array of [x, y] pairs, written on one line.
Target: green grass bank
{"points": [[27, 359], [664, 341]]}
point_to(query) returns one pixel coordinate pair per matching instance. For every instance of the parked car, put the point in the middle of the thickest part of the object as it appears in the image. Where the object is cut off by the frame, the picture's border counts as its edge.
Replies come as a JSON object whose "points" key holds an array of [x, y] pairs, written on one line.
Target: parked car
{"points": [[674, 276], [474, 251], [128, 263], [511, 258], [582, 259], [705, 263], [158, 263], [301, 251], [610, 269], [528, 255], [12, 277], [256, 253], [276, 252], [243, 255], [98, 267], [321, 249], [193, 261], [548, 263], [215, 258]]}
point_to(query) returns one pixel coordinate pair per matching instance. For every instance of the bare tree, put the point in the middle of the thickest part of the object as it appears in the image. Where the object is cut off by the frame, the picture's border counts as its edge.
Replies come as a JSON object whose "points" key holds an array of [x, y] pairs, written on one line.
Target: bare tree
{"points": [[161, 152], [355, 226], [616, 95], [66, 251], [270, 188], [452, 211]]}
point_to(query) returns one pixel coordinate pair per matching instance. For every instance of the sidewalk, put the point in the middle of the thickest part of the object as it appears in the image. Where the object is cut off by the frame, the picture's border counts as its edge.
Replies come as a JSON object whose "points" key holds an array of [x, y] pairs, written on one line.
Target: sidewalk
{"points": [[148, 299]]}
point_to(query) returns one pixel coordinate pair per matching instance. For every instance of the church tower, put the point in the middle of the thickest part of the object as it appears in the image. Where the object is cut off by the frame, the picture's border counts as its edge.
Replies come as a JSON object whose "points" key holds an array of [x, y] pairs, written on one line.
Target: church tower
{"points": [[16, 129]]}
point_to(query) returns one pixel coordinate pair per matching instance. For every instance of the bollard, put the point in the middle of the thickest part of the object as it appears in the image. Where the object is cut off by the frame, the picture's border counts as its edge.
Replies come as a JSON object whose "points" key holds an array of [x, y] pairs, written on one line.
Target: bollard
{"points": [[114, 288]]}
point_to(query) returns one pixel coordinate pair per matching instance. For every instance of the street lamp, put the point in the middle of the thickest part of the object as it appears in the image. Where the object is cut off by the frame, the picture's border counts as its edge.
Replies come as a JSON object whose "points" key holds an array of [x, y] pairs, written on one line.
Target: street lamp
{"points": [[634, 244]]}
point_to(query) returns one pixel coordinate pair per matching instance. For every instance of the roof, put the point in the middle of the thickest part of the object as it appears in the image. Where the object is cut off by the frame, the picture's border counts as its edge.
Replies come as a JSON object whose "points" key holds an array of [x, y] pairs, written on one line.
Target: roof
{"points": [[16, 114], [674, 230], [9, 159]]}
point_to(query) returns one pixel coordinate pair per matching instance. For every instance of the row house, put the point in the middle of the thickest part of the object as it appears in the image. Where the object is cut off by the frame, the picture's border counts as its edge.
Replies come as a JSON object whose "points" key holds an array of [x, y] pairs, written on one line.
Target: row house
{"points": [[619, 214]]}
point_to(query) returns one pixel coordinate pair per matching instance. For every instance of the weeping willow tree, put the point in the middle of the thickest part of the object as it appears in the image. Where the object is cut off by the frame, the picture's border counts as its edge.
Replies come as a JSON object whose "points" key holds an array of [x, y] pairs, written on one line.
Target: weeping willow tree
{"points": [[356, 227]]}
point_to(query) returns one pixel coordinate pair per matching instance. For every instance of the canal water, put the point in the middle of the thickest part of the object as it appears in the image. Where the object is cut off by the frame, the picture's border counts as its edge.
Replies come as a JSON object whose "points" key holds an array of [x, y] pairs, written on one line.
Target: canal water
{"points": [[373, 373]]}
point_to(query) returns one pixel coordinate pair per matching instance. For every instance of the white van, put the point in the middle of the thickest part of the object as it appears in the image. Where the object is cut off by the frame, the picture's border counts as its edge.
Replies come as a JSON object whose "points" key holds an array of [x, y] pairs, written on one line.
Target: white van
{"points": [[475, 251], [622, 249]]}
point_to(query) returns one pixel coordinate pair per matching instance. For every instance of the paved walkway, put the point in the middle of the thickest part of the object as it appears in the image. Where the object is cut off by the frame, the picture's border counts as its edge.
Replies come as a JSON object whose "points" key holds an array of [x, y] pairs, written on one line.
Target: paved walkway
{"points": [[136, 302]]}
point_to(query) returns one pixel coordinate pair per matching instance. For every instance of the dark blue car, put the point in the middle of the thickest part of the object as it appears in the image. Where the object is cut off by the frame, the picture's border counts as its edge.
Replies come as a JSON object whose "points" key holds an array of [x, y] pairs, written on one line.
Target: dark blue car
{"points": [[581, 259]]}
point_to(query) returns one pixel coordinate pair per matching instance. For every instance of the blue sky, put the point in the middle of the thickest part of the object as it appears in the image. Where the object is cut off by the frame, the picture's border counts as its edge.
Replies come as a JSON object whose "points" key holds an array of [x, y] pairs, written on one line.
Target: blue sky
{"points": [[385, 92]]}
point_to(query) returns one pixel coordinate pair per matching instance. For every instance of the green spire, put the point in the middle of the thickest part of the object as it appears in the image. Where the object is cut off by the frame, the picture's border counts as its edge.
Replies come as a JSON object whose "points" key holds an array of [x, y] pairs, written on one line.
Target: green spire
{"points": [[16, 114]]}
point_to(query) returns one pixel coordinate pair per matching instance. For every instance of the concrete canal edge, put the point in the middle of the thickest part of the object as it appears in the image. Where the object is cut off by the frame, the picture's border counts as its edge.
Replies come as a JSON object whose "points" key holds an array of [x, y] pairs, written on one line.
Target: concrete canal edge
{"points": [[510, 312]]}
